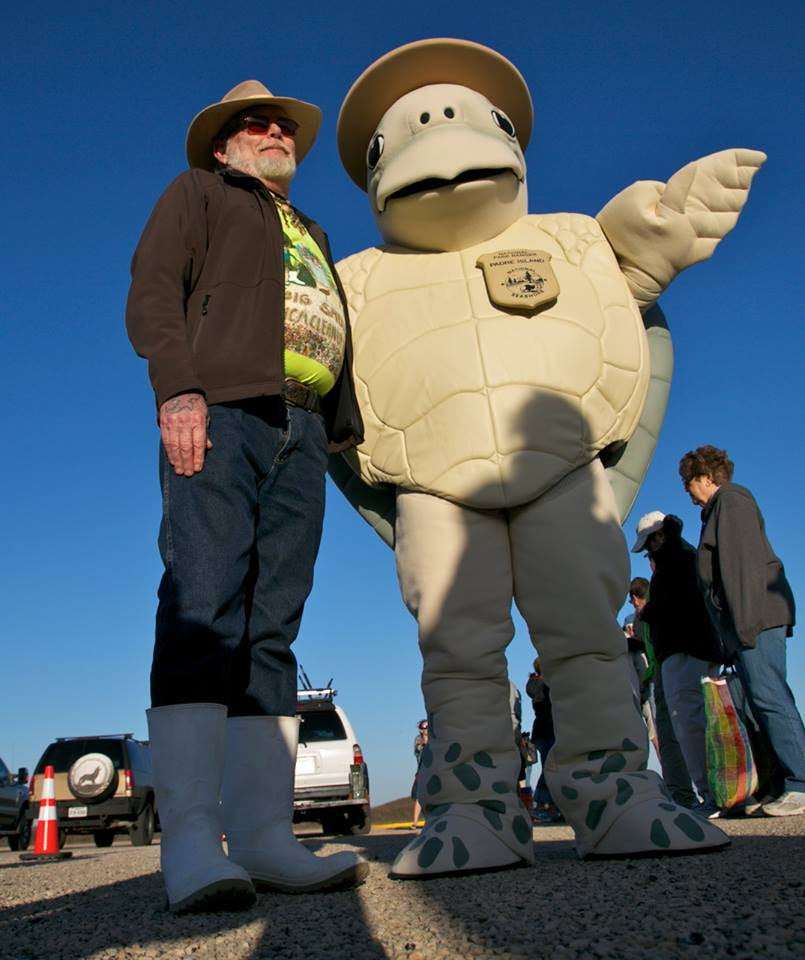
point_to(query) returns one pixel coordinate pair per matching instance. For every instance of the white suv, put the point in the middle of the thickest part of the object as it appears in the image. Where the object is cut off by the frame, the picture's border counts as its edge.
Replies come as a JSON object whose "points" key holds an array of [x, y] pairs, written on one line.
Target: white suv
{"points": [[332, 782]]}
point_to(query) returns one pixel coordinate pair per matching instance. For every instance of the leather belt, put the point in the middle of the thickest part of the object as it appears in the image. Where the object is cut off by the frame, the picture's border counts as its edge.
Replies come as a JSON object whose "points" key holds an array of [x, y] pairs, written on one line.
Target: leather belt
{"points": [[299, 395]]}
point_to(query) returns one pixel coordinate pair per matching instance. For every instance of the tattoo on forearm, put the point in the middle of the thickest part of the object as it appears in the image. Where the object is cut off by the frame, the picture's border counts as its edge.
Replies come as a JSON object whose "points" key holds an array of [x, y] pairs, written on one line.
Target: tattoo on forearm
{"points": [[187, 401]]}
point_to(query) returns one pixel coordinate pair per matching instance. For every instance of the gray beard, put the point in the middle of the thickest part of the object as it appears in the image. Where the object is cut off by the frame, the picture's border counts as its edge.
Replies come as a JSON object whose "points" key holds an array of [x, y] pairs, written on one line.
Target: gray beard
{"points": [[265, 166]]}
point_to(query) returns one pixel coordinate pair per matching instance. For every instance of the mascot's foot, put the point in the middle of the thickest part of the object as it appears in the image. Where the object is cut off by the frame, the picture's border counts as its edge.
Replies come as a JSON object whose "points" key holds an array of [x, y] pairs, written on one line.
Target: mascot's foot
{"points": [[657, 828], [466, 838]]}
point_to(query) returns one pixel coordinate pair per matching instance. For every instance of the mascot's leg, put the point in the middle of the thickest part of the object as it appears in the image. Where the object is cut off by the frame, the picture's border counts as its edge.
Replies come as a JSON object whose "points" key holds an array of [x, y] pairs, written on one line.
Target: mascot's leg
{"points": [[455, 573], [571, 574]]}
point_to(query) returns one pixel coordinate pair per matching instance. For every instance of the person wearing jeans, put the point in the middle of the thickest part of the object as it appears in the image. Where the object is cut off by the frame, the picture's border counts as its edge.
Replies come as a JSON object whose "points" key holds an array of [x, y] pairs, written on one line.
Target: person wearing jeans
{"points": [[685, 643], [752, 605], [236, 304]]}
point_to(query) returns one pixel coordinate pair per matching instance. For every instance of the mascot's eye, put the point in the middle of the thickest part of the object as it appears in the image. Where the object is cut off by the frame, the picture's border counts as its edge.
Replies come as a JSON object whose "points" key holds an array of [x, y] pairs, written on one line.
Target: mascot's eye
{"points": [[374, 151], [503, 122]]}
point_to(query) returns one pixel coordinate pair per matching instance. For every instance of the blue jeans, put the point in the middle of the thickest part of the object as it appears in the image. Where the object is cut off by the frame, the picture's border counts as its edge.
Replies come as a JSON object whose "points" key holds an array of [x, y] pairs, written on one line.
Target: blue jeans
{"points": [[763, 673], [542, 793], [238, 541], [681, 682]]}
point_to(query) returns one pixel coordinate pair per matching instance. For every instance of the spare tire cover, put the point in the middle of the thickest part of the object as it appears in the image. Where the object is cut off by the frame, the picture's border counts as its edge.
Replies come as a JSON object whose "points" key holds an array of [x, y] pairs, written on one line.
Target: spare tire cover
{"points": [[92, 777]]}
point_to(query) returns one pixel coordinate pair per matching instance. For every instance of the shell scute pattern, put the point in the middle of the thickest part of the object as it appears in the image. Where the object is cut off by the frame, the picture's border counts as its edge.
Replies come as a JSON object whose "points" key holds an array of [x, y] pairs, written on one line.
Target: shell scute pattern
{"points": [[434, 357]]}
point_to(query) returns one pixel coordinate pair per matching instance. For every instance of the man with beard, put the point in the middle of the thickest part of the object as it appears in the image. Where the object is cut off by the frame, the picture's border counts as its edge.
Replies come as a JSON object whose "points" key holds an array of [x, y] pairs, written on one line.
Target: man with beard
{"points": [[236, 304]]}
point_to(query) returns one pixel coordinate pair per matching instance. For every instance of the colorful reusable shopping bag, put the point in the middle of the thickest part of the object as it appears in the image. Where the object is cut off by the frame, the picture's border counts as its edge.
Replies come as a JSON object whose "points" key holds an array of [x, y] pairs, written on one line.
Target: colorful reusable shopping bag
{"points": [[731, 769]]}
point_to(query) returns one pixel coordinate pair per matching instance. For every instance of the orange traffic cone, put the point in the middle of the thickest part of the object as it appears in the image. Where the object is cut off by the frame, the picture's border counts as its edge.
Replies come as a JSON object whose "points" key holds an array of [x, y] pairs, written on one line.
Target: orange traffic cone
{"points": [[46, 845]]}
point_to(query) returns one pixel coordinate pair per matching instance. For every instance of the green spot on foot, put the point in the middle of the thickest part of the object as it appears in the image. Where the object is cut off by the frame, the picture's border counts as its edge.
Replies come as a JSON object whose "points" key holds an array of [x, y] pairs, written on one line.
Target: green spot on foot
{"points": [[613, 763], [570, 793], [689, 827], [580, 774], [453, 752], [483, 759], [468, 777], [441, 826], [596, 754], [493, 818], [658, 835], [497, 805], [521, 829], [628, 745], [437, 809], [670, 807], [429, 852], [460, 853], [594, 813], [500, 786], [624, 793], [434, 785]]}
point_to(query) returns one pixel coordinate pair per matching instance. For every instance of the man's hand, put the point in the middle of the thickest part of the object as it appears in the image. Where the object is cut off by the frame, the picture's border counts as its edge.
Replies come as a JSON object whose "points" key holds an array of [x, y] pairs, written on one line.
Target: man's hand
{"points": [[183, 424]]}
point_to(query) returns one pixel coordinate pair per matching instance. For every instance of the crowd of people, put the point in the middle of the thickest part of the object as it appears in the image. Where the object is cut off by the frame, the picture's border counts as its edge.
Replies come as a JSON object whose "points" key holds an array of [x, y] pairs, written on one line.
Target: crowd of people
{"points": [[724, 604], [722, 608]]}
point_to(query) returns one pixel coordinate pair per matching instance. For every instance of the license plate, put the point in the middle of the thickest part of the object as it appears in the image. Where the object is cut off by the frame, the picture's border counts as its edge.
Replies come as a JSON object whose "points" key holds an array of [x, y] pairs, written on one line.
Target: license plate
{"points": [[306, 765], [76, 811]]}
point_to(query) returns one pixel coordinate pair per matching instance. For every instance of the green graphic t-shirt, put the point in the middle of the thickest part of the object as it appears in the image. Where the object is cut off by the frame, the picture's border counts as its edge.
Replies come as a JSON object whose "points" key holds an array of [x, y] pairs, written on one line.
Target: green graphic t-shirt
{"points": [[314, 318]]}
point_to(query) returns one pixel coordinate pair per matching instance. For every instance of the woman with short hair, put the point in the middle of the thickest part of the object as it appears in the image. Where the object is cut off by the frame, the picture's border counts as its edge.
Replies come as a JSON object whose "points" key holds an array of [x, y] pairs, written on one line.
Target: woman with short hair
{"points": [[752, 606]]}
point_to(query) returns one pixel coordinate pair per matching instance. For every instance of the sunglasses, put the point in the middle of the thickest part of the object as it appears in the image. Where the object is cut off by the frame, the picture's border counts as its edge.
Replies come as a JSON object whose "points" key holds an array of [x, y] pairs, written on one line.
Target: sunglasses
{"points": [[257, 126]]}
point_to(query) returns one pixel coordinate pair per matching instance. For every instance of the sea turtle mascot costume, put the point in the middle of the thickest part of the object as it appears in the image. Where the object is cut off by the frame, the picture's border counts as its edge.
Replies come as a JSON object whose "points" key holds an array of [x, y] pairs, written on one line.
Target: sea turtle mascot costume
{"points": [[502, 362]]}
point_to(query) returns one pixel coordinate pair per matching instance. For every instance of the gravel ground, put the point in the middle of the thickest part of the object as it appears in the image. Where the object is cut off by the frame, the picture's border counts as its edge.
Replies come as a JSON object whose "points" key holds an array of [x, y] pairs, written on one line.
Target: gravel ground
{"points": [[746, 903]]}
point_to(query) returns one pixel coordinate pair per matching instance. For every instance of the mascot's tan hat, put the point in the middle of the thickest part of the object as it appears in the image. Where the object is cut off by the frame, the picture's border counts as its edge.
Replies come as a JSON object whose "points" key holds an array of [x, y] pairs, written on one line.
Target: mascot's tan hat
{"points": [[439, 60], [251, 93]]}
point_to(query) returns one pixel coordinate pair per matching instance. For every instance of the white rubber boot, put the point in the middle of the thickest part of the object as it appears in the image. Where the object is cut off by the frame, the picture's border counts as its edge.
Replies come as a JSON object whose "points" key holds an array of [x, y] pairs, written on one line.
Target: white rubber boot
{"points": [[258, 811], [187, 749]]}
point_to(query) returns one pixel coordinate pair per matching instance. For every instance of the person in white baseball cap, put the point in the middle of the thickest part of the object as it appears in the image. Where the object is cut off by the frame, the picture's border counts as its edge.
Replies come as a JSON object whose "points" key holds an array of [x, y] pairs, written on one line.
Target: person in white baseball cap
{"points": [[648, 524]]}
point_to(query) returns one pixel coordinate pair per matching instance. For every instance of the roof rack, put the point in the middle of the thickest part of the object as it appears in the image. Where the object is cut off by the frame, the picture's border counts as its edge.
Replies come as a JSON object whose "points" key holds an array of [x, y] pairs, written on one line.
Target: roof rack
{"points": [[98, 736], [324, 693]]}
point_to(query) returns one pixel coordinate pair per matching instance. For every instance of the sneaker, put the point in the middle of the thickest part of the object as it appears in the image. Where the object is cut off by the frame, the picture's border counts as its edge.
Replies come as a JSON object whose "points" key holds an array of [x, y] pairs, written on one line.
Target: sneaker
{"points": [[790, 804], [708, 810]]}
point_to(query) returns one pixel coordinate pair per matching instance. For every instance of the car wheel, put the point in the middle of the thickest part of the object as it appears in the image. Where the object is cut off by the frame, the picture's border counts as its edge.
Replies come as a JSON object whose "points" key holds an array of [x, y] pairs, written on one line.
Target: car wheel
{"points": [[332, 823], [142, 830], [22, 839], [360, 825], [62, 838], [103, 838]]}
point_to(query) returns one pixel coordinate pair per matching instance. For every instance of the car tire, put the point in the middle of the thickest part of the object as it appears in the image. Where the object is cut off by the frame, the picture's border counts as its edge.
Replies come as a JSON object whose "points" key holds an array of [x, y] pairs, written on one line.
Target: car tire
{"points": [[103, 838], [92, 778], [62, 838], [22, 839], [333, 823], [359, 825], [141, 831]]}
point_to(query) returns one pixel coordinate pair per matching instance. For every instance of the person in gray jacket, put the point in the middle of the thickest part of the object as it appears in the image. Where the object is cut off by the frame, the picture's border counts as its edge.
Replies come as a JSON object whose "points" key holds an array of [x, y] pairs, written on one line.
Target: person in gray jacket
{"points": [[752, 606]]}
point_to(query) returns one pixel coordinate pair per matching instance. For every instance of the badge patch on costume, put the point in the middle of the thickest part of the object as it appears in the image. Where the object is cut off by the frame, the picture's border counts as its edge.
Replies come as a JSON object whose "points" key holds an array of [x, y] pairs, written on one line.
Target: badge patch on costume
{"points": [[519, 279]]}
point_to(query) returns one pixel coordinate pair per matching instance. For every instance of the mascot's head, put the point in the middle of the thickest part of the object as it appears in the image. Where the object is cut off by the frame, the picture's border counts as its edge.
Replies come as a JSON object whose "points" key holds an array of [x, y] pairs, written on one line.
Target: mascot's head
{"points": [[435, 131]]}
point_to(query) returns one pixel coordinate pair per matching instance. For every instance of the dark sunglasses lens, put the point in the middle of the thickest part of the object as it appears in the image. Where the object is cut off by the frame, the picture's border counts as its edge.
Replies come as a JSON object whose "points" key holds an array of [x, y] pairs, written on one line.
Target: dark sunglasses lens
{"points": [[258, 125], [255, 125]]}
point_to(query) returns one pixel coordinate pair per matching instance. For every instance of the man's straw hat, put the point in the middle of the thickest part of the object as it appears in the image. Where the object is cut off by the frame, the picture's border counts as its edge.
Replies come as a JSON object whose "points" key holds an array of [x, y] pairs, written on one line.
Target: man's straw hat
{"points": [[440, 60], [251, 93]]}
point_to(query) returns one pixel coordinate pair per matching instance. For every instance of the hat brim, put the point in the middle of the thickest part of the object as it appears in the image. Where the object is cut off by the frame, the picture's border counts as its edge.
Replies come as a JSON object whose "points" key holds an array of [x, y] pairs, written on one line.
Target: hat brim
{"points": [[207, 124], [438, 60]]}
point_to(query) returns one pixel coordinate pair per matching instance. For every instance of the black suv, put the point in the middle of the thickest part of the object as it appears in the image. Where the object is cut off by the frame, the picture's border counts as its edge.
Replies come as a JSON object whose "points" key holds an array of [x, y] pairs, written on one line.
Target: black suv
{"points": [[104, 786], [14, 821]]}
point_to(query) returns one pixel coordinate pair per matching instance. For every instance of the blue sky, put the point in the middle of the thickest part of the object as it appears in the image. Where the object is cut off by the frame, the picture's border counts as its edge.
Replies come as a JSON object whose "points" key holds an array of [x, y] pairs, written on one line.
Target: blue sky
{"points": [[96, 102]]}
